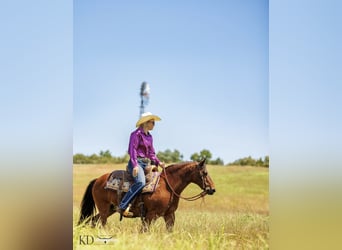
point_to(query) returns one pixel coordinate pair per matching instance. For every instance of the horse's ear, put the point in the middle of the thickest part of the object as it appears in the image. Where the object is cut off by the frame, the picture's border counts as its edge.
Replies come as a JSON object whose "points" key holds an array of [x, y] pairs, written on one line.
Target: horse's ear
{"points": [[202, 162]]}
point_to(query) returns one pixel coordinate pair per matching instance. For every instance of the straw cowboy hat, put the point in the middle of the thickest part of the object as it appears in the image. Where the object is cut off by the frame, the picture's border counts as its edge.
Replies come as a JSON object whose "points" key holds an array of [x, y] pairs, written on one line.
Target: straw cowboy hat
{"points": [[147, 117]]}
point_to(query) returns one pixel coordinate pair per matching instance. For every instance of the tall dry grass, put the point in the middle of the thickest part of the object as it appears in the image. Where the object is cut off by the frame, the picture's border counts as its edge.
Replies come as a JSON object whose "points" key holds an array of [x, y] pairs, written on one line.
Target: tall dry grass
{"points": [[235, 217]]}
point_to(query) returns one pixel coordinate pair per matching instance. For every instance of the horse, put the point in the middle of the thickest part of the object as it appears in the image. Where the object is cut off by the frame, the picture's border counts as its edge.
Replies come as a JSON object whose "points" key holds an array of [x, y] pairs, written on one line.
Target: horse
{"points": [[163, 202]]}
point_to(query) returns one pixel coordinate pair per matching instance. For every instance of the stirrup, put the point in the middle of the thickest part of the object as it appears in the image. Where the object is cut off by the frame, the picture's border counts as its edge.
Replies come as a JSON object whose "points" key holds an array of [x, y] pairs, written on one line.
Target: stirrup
{"points": [[126, 212]]}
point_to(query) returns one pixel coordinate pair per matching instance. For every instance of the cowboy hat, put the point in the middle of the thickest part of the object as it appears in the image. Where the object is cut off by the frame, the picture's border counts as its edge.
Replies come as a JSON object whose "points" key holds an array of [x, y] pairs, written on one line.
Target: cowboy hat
{"points": [[147, 117]]}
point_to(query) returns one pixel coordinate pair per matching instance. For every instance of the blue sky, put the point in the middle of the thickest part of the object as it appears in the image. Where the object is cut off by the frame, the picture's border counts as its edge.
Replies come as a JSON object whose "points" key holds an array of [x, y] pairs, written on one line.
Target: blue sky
{"points": [[205, 61]]}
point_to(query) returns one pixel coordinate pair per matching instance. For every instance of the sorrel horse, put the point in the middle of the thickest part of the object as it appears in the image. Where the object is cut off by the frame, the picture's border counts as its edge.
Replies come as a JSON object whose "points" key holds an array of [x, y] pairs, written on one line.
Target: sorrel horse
{"points": [[163, 202]]}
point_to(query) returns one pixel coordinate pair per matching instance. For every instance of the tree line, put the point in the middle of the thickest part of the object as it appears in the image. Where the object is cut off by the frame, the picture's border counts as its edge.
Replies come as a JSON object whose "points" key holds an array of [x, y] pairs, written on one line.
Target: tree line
{"points": [[249, 161], [168, 156]]}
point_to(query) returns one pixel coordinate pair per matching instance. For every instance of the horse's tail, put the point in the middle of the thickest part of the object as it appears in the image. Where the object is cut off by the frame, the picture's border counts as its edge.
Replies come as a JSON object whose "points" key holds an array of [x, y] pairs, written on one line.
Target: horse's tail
{"points": [[87, 204]]}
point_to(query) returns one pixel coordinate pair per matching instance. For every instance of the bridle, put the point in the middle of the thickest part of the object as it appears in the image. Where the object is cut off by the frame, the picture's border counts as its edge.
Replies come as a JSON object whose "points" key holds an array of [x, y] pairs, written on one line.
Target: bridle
{"points": [[192, 198]]}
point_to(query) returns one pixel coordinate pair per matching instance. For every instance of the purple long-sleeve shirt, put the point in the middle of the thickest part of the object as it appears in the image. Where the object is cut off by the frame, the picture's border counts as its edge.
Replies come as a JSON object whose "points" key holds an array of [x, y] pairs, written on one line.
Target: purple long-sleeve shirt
{"points": [[141, 145]]}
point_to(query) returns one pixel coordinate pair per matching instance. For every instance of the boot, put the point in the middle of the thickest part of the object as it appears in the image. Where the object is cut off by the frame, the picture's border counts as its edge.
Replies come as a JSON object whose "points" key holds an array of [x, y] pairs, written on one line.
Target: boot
{"points": [[126, 212]]}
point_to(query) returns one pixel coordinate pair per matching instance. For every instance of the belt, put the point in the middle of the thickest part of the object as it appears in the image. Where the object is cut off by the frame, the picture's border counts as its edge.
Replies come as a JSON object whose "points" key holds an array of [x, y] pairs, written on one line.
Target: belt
{"points": [[145, 160]]}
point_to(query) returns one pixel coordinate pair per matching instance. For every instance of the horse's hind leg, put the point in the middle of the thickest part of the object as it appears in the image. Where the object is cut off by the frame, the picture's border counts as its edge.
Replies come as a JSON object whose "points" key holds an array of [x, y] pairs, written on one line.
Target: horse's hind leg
{"points": [[105, 210], [103, 200], [94, 220], [104, 216]]}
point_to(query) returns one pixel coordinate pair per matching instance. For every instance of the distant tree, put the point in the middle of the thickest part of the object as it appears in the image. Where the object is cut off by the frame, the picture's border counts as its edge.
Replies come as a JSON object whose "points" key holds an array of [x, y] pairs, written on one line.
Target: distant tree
{"points": [[218, 161], [176, 156], [165, 156], [105, 154], [195, 157], [124, 158], [259, 162], [80, 159], [267, 161], [199, 156], [205, 154], [94, 158], [168, 156], [249, 161], [104, 157]]}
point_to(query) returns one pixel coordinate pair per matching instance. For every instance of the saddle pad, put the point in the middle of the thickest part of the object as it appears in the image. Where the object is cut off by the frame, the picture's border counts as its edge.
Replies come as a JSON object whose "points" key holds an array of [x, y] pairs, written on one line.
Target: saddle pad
{"points": [[120, 180], [152, 180]]}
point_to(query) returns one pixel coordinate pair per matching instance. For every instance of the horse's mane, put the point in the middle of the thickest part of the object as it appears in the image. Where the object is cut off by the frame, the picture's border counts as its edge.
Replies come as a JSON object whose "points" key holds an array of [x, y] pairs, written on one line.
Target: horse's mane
{"points": [[175, 166]]}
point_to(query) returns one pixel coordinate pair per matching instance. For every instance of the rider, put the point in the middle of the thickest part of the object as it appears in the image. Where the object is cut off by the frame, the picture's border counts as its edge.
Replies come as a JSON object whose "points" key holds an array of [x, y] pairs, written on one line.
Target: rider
{"points": [[141, 154]]}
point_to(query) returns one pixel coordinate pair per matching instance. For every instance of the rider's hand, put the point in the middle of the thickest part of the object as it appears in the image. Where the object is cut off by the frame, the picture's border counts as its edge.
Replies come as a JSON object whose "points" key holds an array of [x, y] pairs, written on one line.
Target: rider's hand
{"points": [[135, 171]]}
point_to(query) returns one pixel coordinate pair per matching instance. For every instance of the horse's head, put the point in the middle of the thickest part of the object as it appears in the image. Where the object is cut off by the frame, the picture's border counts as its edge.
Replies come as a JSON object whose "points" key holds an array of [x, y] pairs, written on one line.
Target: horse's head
{"points": [[203, 179]]}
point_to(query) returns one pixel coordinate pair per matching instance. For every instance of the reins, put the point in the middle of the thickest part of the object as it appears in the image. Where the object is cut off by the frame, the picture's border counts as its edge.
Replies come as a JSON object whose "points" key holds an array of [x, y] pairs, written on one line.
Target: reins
{"points": [[192, 198]]}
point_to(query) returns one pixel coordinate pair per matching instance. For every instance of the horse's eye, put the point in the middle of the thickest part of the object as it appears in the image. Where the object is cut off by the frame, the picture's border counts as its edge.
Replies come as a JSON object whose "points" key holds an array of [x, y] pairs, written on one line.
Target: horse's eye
{"points": [[205, 173]]}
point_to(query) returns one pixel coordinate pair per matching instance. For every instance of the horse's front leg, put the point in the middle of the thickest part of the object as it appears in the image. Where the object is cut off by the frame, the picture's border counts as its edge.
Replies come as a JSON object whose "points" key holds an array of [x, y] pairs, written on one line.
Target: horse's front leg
{"points": [[145, 225], [146, 222], [169, 221]]}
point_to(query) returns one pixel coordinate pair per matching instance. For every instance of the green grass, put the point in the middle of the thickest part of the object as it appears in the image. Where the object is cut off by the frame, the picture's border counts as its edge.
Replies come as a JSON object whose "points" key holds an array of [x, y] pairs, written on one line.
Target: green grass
{"points": [[235, 217]]}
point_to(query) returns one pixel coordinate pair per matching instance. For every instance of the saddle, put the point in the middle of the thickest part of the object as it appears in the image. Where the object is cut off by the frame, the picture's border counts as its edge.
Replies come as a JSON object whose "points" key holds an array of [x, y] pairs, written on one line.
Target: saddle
{"points": [[121, 180]]}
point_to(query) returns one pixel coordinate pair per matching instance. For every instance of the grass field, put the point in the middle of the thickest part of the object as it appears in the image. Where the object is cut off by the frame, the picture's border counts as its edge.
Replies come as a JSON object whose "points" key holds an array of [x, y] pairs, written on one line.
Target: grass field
{"points": [[235, 217]]}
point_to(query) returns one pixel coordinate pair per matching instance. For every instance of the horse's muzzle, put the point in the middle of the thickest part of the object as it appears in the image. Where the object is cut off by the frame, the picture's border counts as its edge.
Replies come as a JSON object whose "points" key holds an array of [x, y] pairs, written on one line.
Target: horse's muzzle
{"points": [[210, 191]]}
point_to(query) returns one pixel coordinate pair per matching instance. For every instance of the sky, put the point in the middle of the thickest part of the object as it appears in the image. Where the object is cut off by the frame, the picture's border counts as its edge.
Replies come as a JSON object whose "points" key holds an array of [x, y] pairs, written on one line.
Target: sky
{"points": [[206, 63]]}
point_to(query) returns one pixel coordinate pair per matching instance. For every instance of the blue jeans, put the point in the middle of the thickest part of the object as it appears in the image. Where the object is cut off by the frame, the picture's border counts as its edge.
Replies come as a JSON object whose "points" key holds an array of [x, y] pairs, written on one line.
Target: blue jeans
{"points": [[139, 183]]}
